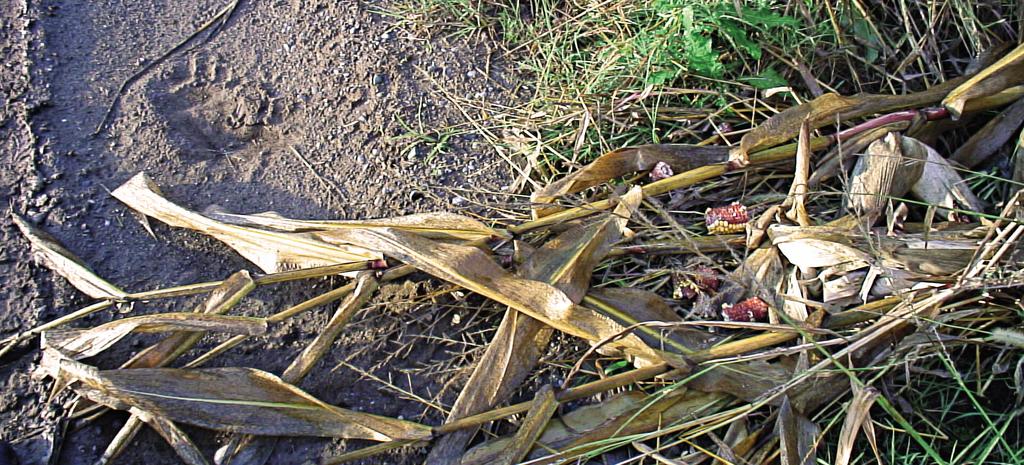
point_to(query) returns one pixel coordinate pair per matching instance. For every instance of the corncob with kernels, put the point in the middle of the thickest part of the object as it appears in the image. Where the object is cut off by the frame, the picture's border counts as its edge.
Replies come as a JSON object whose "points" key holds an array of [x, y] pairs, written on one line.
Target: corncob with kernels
{"points": [[730, 219]]}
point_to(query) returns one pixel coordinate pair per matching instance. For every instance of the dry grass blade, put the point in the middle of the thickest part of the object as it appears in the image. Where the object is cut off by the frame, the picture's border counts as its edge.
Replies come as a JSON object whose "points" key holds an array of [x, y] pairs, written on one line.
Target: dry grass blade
{"points": [[544, 405], [621, 162], [858, 415], [1003, 74], [55, 257], [271, 251], [438, 225], [237, 400], [78, 343], [566, 262]]}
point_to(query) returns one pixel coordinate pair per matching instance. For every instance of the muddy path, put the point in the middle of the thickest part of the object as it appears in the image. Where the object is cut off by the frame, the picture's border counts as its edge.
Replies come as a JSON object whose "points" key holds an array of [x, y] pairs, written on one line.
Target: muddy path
{"points": [[306, 108]]}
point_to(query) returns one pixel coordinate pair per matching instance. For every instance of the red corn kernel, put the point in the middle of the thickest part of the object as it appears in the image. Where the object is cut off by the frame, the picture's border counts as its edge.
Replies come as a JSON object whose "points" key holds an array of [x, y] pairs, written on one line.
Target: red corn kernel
{"points": [[750, 310]]}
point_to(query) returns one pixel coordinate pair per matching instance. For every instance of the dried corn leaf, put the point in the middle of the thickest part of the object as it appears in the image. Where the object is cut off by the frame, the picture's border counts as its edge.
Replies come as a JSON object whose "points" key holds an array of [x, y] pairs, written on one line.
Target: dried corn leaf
{"points": [[993, 79], [889, 169], [54, 256], [1018, 163], [761, 274], [237, 400], [179, 441], [588, 428], [630, 306], [438, 225], [793, 305], [544, 405], [843, 289], [942, 186], [934, 253], [747, 381], [82, 343], [621, 162], [271, 251], [894, 281], [932, 261], [737, 442], [830, 108], [989, 139], [566, 262], [221, 299], [839, 158], [797, 436], [256, 450], [474, 270], [513, 352], [797, 199]]}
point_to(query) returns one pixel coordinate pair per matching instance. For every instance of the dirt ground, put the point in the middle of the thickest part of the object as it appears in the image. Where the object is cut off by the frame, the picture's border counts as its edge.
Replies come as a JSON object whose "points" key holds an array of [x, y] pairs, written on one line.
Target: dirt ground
{"points": [[242, 120]]}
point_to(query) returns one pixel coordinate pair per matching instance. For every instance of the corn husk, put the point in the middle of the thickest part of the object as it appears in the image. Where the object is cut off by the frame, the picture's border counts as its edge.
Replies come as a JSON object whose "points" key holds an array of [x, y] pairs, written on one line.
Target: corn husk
{"points": [[942, 186], [888, 170]]}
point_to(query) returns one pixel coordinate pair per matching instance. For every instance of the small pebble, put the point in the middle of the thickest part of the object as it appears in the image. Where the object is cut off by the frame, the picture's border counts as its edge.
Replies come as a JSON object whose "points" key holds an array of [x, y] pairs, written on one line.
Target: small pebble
{"points": [[378, 79]]}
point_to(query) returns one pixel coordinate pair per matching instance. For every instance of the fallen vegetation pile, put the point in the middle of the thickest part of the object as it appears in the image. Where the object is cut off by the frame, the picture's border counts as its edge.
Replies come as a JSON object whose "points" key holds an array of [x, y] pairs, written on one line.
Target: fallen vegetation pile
{"points": [[860, 257]]}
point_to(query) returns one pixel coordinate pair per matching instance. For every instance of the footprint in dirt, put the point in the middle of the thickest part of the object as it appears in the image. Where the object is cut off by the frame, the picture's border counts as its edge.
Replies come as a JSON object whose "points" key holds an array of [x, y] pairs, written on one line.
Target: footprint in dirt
{"points": [[206, 119]]}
